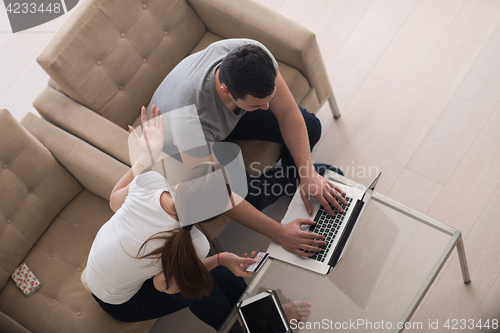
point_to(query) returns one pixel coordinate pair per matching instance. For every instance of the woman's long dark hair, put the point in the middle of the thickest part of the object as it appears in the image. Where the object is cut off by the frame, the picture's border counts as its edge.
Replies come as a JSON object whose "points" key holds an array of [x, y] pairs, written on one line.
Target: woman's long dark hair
{"points": [[178, 257]]}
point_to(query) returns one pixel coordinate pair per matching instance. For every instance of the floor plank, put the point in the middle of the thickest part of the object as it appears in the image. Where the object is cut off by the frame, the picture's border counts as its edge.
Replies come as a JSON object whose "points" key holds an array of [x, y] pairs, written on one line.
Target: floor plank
{"points": [[487, 311], [426, 244], [335, 24], [3, 39], [383, 88], [302, 12], [423, 250], [474, 181], [365, 46], [13, 53], [4, 20], [390, 301], [483, 161], [452, 134], [415, 191], [19, 96], [391, 141], [451, 298]]}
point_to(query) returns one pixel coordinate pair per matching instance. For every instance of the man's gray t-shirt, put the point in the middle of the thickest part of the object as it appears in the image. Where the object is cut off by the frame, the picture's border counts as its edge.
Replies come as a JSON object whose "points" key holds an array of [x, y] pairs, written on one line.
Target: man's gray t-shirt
{"points": [[191, 85]]}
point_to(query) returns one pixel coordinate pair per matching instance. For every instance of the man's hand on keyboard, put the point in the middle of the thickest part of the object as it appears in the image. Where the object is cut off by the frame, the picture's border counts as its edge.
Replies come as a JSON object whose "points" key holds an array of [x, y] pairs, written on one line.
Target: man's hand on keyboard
{"points": [[297, 240], [316, 186]]}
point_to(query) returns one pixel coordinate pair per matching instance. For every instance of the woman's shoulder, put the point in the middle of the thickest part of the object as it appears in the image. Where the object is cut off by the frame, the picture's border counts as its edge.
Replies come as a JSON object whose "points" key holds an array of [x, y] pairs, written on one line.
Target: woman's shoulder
{"points": [[166, 203], [151, 180]]}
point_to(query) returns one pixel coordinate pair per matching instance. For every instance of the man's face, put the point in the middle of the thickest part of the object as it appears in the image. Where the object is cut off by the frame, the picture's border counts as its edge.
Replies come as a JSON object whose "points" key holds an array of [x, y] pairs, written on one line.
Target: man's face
{"points": [[251, 103]]}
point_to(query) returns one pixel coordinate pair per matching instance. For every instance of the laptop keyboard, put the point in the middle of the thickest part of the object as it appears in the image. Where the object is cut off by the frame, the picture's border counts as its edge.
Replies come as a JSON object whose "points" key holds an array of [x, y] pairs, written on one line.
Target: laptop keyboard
{"points": [[328, 225]]}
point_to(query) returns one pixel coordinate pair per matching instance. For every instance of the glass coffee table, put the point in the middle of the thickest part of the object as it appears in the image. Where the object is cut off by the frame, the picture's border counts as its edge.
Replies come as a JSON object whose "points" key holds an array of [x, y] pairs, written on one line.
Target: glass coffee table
{"points": [[394, 257]]}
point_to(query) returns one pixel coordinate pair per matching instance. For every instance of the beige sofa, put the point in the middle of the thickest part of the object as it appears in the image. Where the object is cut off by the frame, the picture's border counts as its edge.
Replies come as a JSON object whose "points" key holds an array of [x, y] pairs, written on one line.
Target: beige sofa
{"points": [[110, 56], [52, 203]]}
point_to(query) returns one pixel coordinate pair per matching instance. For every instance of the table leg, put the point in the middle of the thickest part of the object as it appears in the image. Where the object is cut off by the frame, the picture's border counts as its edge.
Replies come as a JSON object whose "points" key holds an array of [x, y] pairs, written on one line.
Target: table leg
{"points": [[463, 259]]}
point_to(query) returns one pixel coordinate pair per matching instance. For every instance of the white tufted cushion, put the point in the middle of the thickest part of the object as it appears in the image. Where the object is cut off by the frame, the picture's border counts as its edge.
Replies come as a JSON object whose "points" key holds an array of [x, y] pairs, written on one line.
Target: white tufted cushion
{"points": [[111, 55]]}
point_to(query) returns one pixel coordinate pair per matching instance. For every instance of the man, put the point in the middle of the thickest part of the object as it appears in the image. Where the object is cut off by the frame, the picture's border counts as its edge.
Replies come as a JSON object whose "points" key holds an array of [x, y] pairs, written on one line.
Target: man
{"points": [[238, 93]]}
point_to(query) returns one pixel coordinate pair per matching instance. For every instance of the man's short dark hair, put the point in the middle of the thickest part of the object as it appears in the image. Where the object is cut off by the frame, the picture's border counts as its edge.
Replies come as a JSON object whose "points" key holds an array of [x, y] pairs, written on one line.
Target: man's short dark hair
{"points": [[248, 69]]}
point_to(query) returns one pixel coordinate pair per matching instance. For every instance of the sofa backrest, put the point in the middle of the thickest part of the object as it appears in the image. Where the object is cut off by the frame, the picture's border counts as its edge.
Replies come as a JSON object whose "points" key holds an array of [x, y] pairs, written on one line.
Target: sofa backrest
{"points": [[111, 55], [34, 188]]}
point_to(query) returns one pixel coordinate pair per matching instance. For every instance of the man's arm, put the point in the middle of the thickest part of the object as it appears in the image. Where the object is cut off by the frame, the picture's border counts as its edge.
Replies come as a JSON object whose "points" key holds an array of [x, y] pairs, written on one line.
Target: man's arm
{"points": [[294, 132], [290, 236]]}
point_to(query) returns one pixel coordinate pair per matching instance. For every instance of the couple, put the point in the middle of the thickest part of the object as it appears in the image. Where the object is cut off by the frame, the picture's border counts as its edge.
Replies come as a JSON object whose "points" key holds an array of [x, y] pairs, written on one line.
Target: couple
{"points": [[147, 260]]}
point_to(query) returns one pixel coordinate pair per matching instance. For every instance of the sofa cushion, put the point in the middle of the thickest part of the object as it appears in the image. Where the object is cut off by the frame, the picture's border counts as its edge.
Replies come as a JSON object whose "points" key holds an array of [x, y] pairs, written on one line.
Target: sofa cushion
{"points": [[8, 325], [34, 188], [296, 82], [62, 304], [94, 169], [112, 55], [207, 39]]}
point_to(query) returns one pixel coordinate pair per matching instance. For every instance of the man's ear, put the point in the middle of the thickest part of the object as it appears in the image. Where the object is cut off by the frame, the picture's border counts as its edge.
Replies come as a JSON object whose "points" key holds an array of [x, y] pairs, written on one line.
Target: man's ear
{"points": [[224, 90]]}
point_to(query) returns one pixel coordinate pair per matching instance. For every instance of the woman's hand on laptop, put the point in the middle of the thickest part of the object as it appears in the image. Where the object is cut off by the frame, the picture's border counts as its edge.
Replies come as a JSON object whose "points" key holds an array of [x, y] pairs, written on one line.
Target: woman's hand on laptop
{"points": [[296, 240]]}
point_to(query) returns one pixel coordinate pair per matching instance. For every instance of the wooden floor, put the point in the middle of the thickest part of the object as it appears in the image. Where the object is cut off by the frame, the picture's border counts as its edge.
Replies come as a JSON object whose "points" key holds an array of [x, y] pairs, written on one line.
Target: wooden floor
{"points": [[418, 86]]}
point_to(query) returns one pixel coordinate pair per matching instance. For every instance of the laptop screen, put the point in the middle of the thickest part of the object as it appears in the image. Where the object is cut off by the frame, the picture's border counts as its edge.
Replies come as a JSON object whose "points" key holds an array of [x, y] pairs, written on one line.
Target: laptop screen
{"points": [[369, 191]]}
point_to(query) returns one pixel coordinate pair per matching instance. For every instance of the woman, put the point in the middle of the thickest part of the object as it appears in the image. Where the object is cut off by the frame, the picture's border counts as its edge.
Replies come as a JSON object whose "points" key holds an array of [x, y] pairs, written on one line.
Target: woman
{"points": [[142, 264]]}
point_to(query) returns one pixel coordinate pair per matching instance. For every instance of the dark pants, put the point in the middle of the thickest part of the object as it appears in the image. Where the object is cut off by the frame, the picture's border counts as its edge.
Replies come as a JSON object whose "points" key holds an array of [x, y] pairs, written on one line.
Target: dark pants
{"points": [[279, 181], [149, 303]]}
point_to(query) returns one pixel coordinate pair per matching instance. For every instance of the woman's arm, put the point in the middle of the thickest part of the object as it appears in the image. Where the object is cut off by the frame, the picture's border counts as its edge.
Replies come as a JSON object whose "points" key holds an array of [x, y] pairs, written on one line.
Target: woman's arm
{"points": [[211, 262], [120, 191], [151, 144], [235, 264]]}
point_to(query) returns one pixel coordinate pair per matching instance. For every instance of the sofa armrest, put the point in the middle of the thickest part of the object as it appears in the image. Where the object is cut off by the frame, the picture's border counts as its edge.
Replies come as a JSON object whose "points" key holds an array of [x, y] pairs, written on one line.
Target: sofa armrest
{"points": [[9, 325], [95, 170], [77, 119], [287, 40]]}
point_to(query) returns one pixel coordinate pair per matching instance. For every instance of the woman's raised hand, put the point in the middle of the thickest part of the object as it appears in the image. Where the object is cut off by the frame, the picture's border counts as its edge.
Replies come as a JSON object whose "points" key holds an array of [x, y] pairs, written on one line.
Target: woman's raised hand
{"points": [[152, 138]]}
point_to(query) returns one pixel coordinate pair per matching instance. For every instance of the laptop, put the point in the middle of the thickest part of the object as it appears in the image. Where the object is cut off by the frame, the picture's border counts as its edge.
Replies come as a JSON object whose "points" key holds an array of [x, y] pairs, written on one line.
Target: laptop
{"points": [[337, 229]]}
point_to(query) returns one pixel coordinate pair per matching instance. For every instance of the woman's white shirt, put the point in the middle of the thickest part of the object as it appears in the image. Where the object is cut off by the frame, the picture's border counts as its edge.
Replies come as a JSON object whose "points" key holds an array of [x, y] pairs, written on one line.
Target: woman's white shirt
{"points": [[114, 274]]}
